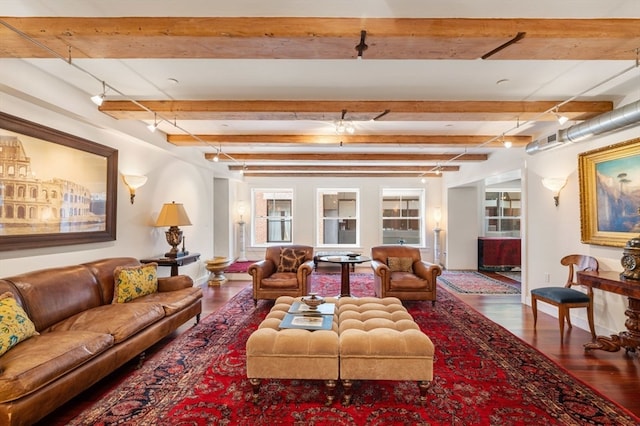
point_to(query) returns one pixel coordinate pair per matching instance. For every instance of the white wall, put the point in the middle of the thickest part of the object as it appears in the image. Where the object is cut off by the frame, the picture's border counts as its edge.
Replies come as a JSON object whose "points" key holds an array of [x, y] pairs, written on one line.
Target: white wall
{"points": [[304, 208], [170, 178], [551, 232]]}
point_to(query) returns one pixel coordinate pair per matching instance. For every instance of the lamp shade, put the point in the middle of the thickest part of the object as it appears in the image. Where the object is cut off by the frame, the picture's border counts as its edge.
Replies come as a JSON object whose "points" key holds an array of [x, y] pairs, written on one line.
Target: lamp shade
{"points": [[134, 181], [173, 214], [554, 184]]}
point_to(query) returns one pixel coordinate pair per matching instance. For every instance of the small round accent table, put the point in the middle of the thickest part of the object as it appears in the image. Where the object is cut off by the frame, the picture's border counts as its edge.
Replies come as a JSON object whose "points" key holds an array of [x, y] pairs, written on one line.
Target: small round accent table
{"points": [[345, 262]]}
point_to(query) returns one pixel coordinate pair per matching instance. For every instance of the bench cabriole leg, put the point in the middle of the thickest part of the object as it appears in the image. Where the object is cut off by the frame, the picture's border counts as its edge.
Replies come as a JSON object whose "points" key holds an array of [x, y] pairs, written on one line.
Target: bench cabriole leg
{"points": [[255, 385]]}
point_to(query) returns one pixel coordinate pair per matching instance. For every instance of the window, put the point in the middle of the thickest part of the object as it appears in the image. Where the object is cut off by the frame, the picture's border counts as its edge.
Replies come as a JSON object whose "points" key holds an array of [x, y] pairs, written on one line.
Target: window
{"points": [[338, 212], [272, 216], [502, 213], [402, 216]]}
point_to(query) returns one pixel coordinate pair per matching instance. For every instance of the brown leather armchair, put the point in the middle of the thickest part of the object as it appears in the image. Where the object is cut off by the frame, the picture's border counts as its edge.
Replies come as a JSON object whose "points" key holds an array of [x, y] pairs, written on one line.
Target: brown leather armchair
{"points": [[399, 271], [284, 271]]}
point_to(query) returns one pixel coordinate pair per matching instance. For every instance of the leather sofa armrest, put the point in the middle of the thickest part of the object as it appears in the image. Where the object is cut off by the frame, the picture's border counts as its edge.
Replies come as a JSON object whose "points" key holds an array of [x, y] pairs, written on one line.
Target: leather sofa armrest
{"points": [[174, 283], [261, 269], [426, 270], [305, 269], [380, 269]]}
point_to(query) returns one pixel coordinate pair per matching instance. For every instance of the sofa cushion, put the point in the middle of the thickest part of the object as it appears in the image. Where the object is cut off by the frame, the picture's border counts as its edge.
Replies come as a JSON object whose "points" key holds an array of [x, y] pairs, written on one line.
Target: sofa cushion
{"points": [[400, 264], [173, 301], [280, 280], [407, 281], [121, 320], [15, 325], [134, 281], [42, 359], [291, 259]]}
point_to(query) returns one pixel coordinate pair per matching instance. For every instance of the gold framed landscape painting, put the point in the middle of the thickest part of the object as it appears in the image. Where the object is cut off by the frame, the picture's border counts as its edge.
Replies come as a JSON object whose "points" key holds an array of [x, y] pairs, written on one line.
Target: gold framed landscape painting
{"points": [[55, 188], [610, 194]]}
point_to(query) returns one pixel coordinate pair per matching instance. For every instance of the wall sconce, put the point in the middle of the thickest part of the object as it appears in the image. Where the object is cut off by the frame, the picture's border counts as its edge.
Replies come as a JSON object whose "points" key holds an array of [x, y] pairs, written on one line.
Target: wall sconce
{"points": [[555, 185], [173, 215], [134, 182]]}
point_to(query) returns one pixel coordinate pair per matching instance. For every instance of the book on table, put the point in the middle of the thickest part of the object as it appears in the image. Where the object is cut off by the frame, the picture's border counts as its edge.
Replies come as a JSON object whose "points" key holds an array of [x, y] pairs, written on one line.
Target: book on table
{"points": [[307, 322]]}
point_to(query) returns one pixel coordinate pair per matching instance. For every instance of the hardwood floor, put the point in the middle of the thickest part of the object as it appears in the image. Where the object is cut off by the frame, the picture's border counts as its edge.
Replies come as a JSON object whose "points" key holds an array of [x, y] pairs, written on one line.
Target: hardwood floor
{"points": [[616, 375]]}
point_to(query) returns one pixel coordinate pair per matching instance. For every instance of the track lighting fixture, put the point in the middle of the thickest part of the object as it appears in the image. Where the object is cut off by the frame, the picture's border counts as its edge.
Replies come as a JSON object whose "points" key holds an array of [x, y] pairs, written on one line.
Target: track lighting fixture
{"points": [[153, 126], [217, 157], [343, 126], [507, 144], [98, 99], [561, 118]]}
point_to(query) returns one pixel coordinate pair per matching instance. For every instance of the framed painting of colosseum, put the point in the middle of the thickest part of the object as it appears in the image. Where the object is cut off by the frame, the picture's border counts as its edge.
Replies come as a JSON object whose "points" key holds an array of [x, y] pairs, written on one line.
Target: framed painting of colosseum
{"points": [[610, 194], [55, 188]]}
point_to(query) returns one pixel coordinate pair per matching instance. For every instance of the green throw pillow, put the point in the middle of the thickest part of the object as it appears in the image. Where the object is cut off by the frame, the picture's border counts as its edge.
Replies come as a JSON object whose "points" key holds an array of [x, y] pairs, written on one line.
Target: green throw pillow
{"points": [[400, 264], [15, 325], [291, 259], [132, 282]]}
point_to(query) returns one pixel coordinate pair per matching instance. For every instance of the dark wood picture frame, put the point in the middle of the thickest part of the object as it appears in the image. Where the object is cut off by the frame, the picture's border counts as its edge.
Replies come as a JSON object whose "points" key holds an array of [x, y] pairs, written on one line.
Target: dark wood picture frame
{"points": [[107, 228], [609, 199]]}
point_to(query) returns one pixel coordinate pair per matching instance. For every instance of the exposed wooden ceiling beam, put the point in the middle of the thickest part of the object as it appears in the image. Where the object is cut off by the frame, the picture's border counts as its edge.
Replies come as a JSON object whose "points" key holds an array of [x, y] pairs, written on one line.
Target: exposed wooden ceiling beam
{"points": [[320, 38], [432, 140], [381, 174], [337, 156], [337, 168], [356, 110]]}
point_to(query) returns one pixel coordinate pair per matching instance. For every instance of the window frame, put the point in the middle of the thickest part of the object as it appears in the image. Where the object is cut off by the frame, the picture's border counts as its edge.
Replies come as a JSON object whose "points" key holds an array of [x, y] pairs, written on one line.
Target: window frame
{"points": [[320, 218], [421, 193], [257, 220]]}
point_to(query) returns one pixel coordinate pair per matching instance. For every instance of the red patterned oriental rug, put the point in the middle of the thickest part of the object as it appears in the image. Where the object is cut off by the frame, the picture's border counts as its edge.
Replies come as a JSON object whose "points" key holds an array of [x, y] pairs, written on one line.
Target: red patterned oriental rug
{"points": [[472, 282], [483, 376]]}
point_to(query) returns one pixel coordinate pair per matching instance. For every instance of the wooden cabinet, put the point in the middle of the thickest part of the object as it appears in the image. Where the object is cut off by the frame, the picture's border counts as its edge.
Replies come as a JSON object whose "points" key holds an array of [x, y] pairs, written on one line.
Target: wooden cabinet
{"points": [[498, 254]]}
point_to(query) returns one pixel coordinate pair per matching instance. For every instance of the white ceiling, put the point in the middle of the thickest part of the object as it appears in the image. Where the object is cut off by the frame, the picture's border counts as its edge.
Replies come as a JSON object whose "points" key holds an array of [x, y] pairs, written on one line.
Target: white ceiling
{"points": [[286, 79]]}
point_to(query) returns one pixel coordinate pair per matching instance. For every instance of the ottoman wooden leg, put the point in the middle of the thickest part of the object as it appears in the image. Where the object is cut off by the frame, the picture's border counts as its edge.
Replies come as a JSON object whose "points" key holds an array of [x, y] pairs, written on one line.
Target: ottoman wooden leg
{"points": [[347, 385], [424, 386], [255, 384], [331, 391]]}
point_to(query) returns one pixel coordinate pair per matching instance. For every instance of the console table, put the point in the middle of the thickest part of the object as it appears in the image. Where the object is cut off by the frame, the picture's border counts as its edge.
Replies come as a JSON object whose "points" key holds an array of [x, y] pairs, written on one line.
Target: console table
{"points": [[612, 282], [173, 262]]}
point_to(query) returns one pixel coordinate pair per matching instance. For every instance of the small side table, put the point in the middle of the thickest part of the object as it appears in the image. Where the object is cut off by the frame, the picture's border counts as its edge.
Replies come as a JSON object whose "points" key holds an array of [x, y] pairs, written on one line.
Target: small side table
{"points": [[173, 262], [345, 261]]}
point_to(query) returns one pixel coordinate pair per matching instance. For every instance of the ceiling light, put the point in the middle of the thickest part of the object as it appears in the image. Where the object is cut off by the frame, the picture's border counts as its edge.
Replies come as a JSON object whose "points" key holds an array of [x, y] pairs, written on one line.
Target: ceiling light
{"points": [[153, 126], [98, 99], [507, 144], [561, 118]]}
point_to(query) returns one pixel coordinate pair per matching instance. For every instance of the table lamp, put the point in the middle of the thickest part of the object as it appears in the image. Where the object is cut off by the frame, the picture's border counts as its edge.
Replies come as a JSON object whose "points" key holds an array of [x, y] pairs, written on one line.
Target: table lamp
{"points": [[173, 215]]}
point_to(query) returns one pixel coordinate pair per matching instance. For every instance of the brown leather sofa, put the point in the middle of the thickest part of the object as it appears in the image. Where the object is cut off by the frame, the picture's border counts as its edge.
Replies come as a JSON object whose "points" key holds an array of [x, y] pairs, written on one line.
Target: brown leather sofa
{"points": [[82, 336], [399, 271], [280, 274]]}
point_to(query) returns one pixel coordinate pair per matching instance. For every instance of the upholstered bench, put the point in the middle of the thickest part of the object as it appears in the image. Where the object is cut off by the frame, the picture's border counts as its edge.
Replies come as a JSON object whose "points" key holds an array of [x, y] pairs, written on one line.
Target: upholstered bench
{"points": [[273, 353], [370, 339], [379, 340]]}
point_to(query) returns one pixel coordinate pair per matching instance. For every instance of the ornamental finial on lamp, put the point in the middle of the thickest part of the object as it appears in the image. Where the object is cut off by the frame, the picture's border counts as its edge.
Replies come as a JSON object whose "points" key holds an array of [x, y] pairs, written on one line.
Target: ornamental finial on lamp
{"points": [[173, 215]]}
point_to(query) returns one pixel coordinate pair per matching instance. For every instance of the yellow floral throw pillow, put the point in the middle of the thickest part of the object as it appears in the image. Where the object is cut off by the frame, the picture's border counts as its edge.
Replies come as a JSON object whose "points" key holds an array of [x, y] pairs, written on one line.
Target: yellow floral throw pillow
{"points": [[134, 281], [15, 326]]}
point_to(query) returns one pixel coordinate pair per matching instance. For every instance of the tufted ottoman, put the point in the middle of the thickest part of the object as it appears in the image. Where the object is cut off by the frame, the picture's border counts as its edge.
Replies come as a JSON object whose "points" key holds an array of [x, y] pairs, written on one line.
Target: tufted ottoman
{"points": [[380, 341], [273, 353]]}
